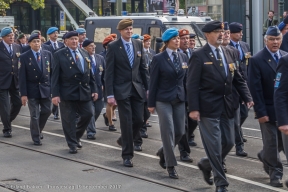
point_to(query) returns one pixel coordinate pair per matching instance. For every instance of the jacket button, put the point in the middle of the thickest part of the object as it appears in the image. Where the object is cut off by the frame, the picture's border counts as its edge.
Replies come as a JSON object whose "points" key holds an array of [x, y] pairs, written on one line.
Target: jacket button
{"points": [[75, 75], [36, 76], [12, 73], [34, 69], [39, 83], [224, 95], [86, 84], [80, 83], [13, 66]]}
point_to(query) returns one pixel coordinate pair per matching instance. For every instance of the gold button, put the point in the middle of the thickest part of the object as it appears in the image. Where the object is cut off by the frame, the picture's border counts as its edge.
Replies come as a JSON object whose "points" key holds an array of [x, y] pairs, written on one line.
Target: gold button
{"points": [[80, 83]]}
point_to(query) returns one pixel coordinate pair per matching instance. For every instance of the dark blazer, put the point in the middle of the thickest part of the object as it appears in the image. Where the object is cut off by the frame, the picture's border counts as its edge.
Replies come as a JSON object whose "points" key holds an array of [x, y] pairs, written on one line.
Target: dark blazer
{"points": [[43, 47], [261, 79], [103, 54], [208, 91], [284, 45], [9, 66], [99, 75], [119, 76], [33, 82], [281, 91], [60, 45], [68, 81], [165, 83]]}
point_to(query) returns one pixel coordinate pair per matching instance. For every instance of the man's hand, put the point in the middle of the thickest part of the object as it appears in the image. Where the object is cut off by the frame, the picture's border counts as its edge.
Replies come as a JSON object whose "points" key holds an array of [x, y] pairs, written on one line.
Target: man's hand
{"points": [[250, 104], [56, 101], [151, 109], [111, 101], [284, 129], [263, 119], [94, 96], [195, 115], [24, 100]]}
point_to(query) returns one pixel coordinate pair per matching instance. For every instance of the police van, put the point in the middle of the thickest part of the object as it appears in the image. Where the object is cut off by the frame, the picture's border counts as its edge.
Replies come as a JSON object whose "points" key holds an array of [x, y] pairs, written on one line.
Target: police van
{"points": [[97, 28]]}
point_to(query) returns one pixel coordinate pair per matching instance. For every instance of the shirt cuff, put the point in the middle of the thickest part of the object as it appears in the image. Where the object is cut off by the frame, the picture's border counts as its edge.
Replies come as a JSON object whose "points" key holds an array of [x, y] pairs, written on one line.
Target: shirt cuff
{"points": [[110, 96]]}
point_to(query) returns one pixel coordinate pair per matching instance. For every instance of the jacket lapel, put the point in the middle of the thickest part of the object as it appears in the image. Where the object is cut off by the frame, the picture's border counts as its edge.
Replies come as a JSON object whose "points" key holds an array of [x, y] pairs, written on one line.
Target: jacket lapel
{"points": [[70, 58], [2, 47], [122, 50], [167, 58], [269, 59], [34, 62]]}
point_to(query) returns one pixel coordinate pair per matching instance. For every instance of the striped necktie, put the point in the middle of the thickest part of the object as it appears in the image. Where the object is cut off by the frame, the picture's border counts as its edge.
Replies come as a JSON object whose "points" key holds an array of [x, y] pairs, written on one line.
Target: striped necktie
{"points": [[129, 53]]}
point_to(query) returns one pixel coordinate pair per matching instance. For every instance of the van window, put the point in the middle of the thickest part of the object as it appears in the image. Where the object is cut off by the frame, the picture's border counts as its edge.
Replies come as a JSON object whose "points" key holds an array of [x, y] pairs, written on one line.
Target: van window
{"points": [[100, 34], [154, 32], [137, 31]]}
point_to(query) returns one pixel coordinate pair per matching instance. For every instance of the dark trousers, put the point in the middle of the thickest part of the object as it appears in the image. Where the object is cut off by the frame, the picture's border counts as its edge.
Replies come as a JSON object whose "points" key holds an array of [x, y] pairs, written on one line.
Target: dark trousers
{"points": [[55, 110], [131, 119], [9, 107], [40, 110], [138, 139], [68, 112], [183, 144], [192, 125], [96, 108], [239, 144]]}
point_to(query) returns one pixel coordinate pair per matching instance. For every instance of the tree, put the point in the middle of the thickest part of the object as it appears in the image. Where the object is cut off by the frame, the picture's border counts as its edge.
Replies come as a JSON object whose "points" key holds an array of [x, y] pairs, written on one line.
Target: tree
{"points": [[5, 4]]}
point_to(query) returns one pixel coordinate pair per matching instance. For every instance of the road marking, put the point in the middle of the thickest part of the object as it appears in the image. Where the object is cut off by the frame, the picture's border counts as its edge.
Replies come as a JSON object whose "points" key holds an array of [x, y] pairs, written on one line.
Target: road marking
{"points": [[155, 157]]}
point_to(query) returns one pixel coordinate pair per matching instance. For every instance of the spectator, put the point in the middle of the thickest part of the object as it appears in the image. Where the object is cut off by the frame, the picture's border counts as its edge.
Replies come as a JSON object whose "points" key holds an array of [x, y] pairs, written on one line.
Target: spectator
{"points": [[269, 22]]}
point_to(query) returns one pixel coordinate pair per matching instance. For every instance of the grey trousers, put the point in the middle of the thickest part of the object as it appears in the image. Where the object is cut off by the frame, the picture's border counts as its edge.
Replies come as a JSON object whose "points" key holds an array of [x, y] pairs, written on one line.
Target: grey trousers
{"points": [[172, 128], [40, 110], [270, 154], [97, 107], [217, 136]]}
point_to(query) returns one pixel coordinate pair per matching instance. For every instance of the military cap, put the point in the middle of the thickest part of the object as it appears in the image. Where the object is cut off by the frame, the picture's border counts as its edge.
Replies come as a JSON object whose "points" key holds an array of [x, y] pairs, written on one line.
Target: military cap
{"points": [[192, 35], [235, 27], [6, 31], [285, 20], [71, 34], [36, 32], [169, 34], [87, 42], [34, 36], [80, 31], [64, 36], [226, 26], [135, 36], [51, 30], [273, 31], [183, 32], [146, 37], [212, 25], [124, 23], [107, 40], [281, 26], [20, 36]]}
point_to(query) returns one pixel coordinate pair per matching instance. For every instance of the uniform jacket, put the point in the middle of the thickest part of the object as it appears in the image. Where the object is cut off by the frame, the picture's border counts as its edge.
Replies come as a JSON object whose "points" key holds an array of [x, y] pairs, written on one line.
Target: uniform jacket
{"points": [[208, 90], [261, 79], [60, 45], [284, 45], [165, 83], [43, 47], [9, 66], [119, 76], [33, 82], [99, 74], [68, 81], [103, 54]]}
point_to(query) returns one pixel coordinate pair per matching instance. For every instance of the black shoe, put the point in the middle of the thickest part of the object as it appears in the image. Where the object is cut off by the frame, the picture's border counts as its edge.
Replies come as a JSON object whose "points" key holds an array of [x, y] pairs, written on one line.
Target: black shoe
{"points": [[162, 159], [91, 137], [7, 134], [221, 189], [186, 158], [56, 117], [276, 183], [128, 163], [192, 143], [79, 144], [148, 125], [172, 173], [112, 128], [224, 167], [37, 143], [286, 183], [119, 141], [41, 136], [137, 148], [244, 140], [106, 119], [241, 153], [207, 174], [143, 134], [72, 150], [265, 167]]}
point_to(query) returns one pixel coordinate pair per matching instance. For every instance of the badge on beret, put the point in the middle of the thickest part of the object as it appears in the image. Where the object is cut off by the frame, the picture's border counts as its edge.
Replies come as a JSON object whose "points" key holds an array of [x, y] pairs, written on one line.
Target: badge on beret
{"points": [[222, 25]]}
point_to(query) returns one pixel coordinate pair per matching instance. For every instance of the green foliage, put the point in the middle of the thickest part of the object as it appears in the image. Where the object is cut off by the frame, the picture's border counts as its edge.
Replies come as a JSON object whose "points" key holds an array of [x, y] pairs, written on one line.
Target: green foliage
{"points": [[5, 4], [36, 4]]}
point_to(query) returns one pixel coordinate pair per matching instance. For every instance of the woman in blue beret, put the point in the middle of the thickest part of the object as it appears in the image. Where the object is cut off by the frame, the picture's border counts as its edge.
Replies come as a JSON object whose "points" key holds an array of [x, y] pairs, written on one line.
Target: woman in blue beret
{"points": [[167, 96]]}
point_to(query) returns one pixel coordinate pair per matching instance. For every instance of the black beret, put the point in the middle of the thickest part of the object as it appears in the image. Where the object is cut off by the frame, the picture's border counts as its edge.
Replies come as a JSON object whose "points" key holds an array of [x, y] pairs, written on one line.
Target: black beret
{"points": [[64, 36], [34, 36], [226, 26], [159, 40], [235, 27], [285, 20], [71, 34], [192, 35], [87, 42], [212, 25], [273, 31]]}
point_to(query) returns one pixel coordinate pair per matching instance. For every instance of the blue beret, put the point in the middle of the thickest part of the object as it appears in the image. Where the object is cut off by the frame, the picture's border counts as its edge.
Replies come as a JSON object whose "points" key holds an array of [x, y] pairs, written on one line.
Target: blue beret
{"points": [[71, 34], [169, 34], [51, 30], [281, 26], [226, 26], [6, 31], [80, 31], [135, 36], [285, 20], [273, 31], [212, 25], [235, 27], [87, 42], [34, 36], [192, 35]]}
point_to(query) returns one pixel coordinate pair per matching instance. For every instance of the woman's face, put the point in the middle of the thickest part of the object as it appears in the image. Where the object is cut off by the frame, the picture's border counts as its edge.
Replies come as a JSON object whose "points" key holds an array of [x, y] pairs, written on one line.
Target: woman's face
{"points": [[174, 43]]}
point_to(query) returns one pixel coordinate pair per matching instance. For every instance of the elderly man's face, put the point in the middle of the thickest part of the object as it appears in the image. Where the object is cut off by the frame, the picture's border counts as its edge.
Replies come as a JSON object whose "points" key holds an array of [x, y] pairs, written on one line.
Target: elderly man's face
{"points": [[273, 43], [9, 39], [215, 37]]}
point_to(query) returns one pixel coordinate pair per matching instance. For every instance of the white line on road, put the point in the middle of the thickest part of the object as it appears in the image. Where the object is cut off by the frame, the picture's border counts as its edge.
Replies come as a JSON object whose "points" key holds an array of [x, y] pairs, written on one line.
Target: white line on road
{"points": [[155, 157]]}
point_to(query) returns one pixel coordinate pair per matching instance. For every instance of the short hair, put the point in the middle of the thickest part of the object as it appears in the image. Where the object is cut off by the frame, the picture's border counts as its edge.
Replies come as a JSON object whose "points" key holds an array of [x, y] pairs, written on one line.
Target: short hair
{"points": [[271, 11]]}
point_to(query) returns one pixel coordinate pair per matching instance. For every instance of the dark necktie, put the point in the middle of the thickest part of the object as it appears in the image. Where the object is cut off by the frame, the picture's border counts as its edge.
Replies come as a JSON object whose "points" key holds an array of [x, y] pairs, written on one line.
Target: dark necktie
{"points": [[55, 46], [78, 62], [220, 62], [186, 53], [11, 52], [276, 58], [39, 61], [240, 51], [176, 62], [129, 54]]}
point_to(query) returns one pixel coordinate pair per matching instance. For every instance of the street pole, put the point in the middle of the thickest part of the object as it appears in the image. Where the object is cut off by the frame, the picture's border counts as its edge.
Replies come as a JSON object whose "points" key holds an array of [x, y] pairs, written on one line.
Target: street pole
{"points": [[119, 7], [186, 11]]}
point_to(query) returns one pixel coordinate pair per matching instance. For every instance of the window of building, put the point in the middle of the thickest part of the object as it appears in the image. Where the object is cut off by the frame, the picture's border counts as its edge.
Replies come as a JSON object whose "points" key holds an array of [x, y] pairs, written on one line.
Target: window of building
{"points": [[100, 34], [137, 31]]}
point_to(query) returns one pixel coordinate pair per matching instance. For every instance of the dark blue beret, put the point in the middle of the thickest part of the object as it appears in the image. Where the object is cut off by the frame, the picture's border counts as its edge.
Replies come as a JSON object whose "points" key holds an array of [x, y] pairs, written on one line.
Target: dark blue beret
{"points": [[64, 36], [226, 26], [87, 42], [235, 27], [51, 30], [34, 36], [281, 26], [169, 34], [71, 34], [212, 25], [273, 31], [192, 35], [285, 20]]}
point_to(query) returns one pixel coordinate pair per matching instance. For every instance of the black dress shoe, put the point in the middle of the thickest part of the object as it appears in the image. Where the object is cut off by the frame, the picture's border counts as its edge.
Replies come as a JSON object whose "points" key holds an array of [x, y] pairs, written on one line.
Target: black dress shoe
{"points": [[137, 148], [265, 167], [128, 163], [37, 143], [224, 167], [112, 128], [221, 189], [286, 183], [162, 159], [143, 134], [72, 150], [186, 158], [91, 137], [241, 153], [244, 140], [119, 141], [41, 136], [106, 119], [7, 134], [192, 143], [56, 117], [79, 144], [276, 183], [172, 173], [207, 174]]}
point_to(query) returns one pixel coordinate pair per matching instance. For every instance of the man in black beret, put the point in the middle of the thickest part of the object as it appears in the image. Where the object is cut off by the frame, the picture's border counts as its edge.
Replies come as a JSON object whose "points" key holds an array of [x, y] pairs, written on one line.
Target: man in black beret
{"points": [[74, 88], [284, 45], [192, 41], [212, 68]]}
